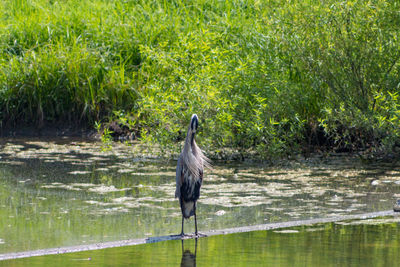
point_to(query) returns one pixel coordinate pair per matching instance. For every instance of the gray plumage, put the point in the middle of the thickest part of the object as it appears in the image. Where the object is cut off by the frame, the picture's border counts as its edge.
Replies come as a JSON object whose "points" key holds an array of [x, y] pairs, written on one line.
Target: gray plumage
{"points": [[189, 173]]}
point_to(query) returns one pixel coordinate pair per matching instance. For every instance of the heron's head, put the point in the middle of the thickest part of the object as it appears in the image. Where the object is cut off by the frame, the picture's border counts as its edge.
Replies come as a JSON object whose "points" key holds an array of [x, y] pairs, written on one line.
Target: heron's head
{"points": [[194, 123]]}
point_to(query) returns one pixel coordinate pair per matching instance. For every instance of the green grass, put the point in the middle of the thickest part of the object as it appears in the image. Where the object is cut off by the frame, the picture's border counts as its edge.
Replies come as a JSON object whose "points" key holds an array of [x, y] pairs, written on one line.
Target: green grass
{"points": [[274, 77]]}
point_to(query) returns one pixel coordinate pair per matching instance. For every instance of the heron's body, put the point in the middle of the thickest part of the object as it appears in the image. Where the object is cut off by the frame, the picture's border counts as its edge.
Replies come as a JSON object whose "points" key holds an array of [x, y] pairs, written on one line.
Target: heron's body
{"points": [[189, 190], [189, 174]]}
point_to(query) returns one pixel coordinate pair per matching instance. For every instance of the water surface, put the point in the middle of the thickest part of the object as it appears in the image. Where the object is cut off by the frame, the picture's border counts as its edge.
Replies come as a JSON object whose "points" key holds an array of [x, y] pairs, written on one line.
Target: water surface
{"points": [[374, 242], [57, 193]]}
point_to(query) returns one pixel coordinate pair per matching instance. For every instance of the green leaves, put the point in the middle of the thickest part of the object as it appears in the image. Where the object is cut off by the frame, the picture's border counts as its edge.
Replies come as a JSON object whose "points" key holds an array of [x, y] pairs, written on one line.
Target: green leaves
{"points": [[271, 76]]}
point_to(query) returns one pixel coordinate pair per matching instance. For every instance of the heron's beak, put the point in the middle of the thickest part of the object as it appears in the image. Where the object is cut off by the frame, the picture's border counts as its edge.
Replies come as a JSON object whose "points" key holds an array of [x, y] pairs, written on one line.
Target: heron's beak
{"points": [[194, 123]]}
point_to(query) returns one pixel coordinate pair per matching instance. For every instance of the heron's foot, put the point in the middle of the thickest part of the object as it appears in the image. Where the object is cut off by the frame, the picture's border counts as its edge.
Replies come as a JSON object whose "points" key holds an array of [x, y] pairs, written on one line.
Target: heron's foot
{"points": [[177, 236], [186, 236], [190, 236], [198, 234]]}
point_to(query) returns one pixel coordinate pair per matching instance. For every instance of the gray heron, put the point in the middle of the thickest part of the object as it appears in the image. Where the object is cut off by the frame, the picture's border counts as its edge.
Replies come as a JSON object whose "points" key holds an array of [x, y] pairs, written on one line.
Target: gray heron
{"points": [[189, 174]]}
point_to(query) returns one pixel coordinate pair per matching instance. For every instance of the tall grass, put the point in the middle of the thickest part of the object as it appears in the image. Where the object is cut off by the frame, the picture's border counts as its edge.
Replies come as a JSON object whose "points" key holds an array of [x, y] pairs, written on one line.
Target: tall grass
{"points": [[65, 60], [270, 76]]}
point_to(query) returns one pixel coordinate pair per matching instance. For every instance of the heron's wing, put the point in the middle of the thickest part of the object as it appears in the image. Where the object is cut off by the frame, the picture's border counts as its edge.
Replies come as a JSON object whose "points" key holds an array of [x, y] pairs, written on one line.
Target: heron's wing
{"points": [[179, 177]]}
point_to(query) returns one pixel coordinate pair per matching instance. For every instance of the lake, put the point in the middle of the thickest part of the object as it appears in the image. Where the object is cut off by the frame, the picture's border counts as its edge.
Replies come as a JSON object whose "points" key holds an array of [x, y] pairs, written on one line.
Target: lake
{"points": [[64, 192]]}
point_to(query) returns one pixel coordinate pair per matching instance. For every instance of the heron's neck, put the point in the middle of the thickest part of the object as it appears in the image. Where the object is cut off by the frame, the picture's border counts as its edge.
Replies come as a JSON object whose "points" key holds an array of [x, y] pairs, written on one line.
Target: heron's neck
{"points": [[190, 143]]}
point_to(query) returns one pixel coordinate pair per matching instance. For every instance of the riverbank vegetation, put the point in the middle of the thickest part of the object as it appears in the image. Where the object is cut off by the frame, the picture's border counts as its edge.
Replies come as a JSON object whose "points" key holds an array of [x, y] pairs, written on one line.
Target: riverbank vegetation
{"points": [[274, 77]]}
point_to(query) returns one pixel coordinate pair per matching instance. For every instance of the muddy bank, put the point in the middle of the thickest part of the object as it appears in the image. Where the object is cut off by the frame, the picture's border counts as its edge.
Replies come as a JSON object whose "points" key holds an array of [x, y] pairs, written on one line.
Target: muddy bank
{"points": [[53, 131], [120, 134]]}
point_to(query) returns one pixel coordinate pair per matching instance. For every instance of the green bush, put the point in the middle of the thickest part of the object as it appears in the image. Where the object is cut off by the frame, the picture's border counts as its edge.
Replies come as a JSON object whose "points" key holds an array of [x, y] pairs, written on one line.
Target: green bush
{"points": [[270, 77]]}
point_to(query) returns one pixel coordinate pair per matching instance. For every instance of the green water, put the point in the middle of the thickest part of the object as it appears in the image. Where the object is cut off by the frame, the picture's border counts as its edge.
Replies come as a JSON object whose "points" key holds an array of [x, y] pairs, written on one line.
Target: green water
{"points": [[56, 193], [320, 245]]}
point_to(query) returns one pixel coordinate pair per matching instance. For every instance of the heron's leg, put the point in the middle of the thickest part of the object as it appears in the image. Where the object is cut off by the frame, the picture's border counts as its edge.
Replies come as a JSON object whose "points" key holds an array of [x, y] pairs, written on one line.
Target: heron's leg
{"points": [[197, 234], [182, 234], [181, 204], [195, 223], [195, 219]]}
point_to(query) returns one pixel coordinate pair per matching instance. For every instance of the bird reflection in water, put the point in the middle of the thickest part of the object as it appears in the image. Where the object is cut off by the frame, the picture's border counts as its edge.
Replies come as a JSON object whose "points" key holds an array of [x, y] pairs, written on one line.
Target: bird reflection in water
{"points": [[188, 258]]}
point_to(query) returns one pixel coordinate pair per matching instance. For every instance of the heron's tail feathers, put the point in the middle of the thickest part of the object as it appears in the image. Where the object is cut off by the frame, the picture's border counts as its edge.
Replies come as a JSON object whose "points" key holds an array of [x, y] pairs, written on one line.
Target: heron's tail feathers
{"points": [[188, 208]]}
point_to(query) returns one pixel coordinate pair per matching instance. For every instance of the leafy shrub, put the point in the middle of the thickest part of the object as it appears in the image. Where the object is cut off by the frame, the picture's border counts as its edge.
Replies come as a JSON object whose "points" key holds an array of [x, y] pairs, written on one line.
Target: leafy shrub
{"points": [[270, 77]]}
